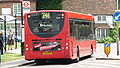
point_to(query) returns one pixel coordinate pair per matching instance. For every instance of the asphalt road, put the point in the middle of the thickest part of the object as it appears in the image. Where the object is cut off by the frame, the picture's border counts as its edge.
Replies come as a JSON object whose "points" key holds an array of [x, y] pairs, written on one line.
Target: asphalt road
{"points": [[83, 63]]}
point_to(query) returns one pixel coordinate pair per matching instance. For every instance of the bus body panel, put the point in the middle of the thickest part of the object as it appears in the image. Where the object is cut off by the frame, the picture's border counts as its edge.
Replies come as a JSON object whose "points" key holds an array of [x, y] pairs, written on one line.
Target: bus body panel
{"points": [[68, 45]]}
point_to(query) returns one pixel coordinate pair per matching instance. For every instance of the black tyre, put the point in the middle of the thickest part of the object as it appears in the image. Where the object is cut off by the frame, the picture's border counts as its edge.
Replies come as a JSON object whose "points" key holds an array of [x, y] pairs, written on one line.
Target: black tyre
{"points": [[78, 56], [39, 61], [92, 49]]}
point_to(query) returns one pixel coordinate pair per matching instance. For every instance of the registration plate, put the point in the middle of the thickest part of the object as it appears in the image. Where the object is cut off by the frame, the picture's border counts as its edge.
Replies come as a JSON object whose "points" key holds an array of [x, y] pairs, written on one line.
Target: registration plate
{"points": [[47, 53]]}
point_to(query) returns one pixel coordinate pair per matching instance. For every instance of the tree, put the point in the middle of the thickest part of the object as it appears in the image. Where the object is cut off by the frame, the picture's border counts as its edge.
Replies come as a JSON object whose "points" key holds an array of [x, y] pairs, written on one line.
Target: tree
{"points": [[118, 4], [49, 4]]}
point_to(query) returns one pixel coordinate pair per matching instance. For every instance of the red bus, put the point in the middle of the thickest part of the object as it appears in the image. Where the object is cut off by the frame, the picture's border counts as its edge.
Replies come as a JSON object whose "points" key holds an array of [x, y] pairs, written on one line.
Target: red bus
{"points": [[58, 34]]}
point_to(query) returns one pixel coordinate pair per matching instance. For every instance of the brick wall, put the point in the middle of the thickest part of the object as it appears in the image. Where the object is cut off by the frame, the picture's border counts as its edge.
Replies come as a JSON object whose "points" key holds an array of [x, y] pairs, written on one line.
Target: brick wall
{"points": [[5, 5], [90, 6], [33, 6], [10, 5]]}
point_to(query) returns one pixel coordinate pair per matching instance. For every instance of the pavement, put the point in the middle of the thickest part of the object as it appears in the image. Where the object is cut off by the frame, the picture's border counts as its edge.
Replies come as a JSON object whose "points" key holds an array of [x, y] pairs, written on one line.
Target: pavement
{"points": [[14, 62], [17, 51], [99, 55]]}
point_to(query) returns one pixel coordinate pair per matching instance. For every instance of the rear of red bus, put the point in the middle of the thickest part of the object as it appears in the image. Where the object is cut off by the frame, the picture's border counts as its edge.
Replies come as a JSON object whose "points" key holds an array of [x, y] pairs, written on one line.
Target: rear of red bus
{"points": [[46, 35]]}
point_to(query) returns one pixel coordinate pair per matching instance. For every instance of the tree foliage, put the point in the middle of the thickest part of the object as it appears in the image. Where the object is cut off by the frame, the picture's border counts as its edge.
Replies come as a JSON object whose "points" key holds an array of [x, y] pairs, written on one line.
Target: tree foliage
{"points": [[113, 34], [118, 4], [49, 4]]}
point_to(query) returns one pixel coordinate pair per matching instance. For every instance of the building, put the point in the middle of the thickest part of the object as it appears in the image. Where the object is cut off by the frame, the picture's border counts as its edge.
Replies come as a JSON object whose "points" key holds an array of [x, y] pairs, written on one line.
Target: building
{"points": [[12, 8], [102, 10]]}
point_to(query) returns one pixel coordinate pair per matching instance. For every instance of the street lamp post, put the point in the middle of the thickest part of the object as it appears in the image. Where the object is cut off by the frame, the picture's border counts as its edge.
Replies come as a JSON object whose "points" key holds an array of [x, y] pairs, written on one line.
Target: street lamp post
{"points": [[117, 30], [21, 12], [5, 31], [15, 32], [117, 25], [22, 43], [116, 17]]}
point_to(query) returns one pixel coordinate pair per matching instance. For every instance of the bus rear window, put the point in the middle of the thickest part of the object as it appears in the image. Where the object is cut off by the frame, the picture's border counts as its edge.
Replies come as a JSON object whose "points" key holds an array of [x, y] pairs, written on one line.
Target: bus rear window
{"points": [[46, 23]]}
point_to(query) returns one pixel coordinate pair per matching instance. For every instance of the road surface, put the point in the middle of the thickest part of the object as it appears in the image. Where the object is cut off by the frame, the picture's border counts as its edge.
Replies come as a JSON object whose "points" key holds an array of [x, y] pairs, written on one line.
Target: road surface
{"points": [[84, 63]]}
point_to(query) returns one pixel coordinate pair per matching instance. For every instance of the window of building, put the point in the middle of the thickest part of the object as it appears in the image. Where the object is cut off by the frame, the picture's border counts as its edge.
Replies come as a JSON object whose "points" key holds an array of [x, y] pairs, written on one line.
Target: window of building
{"points": [[99, 33], [17, 9], [101, 18]]}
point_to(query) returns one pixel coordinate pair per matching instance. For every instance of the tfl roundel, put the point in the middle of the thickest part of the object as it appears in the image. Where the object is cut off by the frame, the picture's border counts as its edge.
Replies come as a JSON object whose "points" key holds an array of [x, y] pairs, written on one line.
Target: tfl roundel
{"points": [[26, 4]]}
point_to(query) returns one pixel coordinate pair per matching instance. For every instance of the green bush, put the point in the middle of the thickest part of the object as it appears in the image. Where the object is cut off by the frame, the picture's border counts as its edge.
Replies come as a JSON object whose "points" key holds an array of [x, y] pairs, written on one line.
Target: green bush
{"points": [[106, 39], [113, 34]]}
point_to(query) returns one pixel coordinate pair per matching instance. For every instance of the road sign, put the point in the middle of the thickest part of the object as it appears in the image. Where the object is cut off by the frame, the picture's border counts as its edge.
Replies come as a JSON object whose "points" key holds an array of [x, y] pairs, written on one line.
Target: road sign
{"points": [[116, 16], [26, 4], [107, 48]]}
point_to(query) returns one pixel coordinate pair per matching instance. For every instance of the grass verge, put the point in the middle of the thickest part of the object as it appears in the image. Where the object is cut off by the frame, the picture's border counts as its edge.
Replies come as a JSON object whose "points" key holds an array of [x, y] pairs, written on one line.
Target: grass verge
{"points": [[10, 57]]}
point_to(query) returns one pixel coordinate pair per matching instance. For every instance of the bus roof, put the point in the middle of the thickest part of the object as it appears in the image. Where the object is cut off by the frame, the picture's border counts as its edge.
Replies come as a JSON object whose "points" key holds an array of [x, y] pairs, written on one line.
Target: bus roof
{"points": [[57, 11]]}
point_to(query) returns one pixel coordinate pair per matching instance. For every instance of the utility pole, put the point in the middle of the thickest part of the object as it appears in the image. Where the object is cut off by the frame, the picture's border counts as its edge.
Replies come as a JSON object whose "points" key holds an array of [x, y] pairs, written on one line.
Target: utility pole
{"points": [[116, 17], [117, 25], [15, 32], [5, 31], [22, 43]]}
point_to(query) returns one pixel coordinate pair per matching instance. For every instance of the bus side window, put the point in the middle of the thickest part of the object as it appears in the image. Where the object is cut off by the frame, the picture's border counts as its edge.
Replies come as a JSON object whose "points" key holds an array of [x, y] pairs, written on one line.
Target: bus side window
{"points": [[81, 29], [72, 28]]}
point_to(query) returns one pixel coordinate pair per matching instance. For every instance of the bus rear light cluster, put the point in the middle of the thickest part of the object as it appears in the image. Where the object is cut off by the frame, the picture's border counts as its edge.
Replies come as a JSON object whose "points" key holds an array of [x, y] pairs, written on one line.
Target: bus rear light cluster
{"points": [[27, 48]]}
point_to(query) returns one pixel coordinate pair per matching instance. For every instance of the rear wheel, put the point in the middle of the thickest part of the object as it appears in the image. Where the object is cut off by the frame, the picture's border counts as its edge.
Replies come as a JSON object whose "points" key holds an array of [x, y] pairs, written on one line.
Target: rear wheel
{"points": [[78, 56], [91, 49], [39, 61]]}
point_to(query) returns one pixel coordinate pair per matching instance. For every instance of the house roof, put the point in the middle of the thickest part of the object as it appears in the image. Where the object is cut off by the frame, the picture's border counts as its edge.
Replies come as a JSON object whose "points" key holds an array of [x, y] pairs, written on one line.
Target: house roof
{"points": [[103, 25], [95, 7], [9, 0]]}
